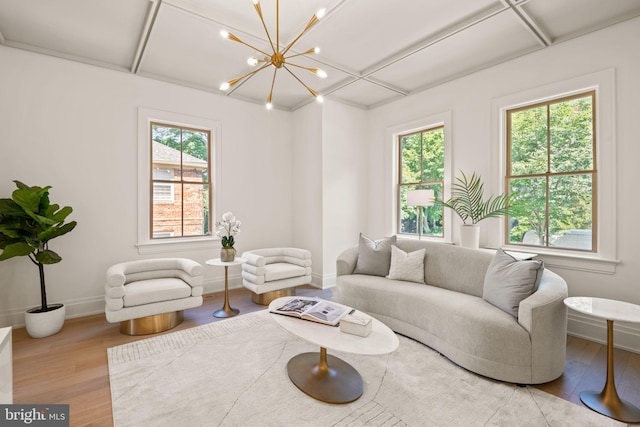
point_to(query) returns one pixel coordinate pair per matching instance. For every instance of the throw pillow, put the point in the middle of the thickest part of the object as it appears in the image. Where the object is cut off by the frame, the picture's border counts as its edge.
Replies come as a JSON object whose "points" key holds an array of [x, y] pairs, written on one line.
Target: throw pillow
{"points": [[374, 258], [407, 266], [508, 281]]}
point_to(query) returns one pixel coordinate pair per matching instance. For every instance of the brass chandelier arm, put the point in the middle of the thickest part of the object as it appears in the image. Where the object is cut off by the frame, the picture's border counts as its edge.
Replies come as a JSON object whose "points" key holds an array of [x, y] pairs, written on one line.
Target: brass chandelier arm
{"points": [[311, 91], [312, 70], [273, 82], [236, 39], [307, 52], [264, 25], [312, 21], [237, 79]]}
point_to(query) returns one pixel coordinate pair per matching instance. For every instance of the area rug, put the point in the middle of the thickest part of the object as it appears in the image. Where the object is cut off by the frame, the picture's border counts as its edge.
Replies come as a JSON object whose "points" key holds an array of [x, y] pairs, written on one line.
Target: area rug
{"points": [[233, 373]]}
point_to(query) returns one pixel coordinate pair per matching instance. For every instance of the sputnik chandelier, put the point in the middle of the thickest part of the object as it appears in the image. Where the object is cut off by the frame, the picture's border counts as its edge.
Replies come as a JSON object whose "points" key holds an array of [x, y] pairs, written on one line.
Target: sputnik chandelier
{"points": [[277, 58]]}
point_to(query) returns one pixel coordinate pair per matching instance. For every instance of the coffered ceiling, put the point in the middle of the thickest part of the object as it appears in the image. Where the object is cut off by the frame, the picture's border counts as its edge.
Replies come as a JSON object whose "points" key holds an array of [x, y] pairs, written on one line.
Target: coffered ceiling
{"points": [[374, 51]]}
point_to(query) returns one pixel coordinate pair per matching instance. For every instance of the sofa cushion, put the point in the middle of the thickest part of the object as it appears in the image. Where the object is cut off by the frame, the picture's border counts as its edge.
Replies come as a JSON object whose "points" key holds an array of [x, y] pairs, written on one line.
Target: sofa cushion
{"points": [[451, 267], [508, 281], [282, 270], [155, 290], [374, 258], [466, 323], [407, 266]]}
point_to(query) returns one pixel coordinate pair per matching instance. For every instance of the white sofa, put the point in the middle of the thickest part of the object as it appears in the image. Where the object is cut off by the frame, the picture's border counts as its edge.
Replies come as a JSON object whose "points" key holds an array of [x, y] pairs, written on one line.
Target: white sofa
{"points": [[275, 272], [448, 313], [149, 296]]}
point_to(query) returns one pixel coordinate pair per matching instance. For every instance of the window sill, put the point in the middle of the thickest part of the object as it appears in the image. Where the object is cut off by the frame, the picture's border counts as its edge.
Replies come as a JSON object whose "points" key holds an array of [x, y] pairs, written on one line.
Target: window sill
{"points": [[177, 245], [587, 262]]}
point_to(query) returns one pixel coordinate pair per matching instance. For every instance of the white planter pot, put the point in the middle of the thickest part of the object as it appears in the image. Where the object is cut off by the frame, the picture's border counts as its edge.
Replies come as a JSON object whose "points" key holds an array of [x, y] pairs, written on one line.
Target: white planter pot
{"points": [[40, 325], [470, 236]]}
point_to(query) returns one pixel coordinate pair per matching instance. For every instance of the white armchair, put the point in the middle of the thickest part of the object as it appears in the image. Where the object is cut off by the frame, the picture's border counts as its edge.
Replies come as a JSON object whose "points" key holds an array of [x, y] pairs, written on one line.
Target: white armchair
{"points": [[149, 296], [275, 272]]}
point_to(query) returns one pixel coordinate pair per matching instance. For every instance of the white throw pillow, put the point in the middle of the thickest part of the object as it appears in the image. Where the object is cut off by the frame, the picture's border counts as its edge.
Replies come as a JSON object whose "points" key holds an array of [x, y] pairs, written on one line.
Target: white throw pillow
{"points": [[407, 266], [508, 281]]}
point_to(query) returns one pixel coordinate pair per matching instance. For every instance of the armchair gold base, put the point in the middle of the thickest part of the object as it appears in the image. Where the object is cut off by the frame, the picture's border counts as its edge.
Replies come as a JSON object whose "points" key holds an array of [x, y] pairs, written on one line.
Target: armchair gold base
{"points": [[267, 297], [152, 324]]}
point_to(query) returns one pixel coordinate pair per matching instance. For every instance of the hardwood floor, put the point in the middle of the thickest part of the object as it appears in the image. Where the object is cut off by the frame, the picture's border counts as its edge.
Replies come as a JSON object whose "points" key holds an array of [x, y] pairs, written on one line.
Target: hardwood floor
{"points": [[71, 366]]}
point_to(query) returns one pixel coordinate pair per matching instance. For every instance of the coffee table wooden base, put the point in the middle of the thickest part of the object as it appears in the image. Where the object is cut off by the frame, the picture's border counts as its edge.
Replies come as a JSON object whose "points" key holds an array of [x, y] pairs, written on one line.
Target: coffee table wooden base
{"points": [[325, 377]]}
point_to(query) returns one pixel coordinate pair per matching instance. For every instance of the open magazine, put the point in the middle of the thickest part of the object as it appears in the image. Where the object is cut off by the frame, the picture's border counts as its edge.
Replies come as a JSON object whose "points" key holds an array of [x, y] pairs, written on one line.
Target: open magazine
{"points": [[314, 309]]}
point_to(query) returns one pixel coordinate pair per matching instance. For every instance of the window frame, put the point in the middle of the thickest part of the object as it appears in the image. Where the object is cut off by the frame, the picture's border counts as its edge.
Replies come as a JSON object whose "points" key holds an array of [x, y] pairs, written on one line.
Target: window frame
{"points": [[603, 83], [392, 164], [182, 181], [145, 244], [548, 174], [420, 184]]}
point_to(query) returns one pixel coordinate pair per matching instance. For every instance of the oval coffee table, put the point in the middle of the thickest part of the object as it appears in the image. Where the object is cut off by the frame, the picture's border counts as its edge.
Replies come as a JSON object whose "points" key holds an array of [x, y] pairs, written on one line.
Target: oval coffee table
{"points": [[607, 402], [326, 377]]}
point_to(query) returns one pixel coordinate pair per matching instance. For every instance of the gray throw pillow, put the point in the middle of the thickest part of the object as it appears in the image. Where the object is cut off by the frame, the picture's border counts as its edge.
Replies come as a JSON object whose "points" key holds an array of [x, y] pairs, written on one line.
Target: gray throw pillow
{"points": [[374, 258], [508, 281], [407, 266]]}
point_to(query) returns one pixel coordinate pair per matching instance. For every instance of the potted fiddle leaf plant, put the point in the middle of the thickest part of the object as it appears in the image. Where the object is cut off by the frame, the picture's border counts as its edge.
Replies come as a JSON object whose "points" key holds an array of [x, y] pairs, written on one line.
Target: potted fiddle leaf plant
{"points": [[28, 221], [467, 200]]}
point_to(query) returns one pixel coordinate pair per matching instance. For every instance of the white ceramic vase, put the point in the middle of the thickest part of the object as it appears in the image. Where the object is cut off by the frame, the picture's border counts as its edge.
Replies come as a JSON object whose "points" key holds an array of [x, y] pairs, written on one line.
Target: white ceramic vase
{"points": [[470, 236], [40, 325]]}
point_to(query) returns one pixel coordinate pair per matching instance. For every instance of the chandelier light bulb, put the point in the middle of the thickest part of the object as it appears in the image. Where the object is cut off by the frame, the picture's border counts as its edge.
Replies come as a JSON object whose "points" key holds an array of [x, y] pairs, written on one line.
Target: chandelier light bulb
{"points": [[321, 73], [316, 50], [269, 106], [256, 2], [224, 34], [253, 61], [320, 99], [321, 13], [225, 86]]}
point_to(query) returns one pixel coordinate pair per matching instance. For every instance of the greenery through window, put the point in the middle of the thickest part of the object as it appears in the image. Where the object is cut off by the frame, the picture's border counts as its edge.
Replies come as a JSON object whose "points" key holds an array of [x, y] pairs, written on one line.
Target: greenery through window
{"points": [[180, 181], [551, 173], [421, 157]]}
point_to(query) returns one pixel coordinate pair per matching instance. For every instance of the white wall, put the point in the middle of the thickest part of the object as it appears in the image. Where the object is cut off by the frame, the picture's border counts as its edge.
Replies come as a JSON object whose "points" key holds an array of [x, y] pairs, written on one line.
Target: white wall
{"points": [[345, 190], [329, 184], [74, 127], [470, 99], [307, 184]]}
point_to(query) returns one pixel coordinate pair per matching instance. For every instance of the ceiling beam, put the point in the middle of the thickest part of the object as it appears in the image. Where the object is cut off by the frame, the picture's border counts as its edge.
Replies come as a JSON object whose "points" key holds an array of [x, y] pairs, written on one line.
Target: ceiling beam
{"points": [[532, 26], [152, 14], [432, 40]]}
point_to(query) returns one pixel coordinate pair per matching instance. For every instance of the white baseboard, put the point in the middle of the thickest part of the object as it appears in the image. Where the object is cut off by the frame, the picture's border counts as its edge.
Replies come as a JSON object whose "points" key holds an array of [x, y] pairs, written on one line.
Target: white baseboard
{"points": [[74, 308], [323, 281], [625, 335]]}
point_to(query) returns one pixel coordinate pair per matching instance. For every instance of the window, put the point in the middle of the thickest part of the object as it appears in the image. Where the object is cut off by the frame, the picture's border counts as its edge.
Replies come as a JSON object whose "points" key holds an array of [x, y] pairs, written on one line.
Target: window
{"points": [[181, 191], [551, 173], [421, 156]]}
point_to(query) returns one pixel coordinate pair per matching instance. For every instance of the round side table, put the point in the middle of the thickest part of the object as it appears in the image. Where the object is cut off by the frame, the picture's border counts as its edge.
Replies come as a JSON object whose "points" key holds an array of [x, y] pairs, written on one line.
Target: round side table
{"points": [[607, 402], [226, 310]]}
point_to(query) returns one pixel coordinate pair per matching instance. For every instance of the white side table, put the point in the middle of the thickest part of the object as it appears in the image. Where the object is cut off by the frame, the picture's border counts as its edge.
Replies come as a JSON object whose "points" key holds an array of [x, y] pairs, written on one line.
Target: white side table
{"points": [[607, 402], [226, 310]]}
